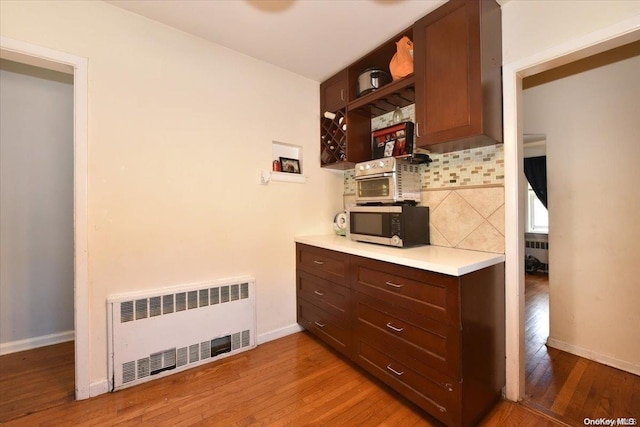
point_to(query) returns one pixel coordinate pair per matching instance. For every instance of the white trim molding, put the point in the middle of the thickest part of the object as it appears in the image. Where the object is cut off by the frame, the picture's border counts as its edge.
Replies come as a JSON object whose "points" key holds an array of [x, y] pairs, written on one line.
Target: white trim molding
{"points": [[36, 342], [20, 51], [279, 333], [512, 74], [595, 356]]}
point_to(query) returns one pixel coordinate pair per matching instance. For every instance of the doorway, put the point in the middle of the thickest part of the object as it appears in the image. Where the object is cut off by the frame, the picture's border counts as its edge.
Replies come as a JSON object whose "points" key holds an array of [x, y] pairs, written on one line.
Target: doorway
{"points": [[26, 53], [513, 75]]}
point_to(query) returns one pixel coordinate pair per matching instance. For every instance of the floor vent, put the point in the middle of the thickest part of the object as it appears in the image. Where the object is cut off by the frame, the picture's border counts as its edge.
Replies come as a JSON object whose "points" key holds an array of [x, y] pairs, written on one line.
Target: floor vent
{"points": [[163, 331]]}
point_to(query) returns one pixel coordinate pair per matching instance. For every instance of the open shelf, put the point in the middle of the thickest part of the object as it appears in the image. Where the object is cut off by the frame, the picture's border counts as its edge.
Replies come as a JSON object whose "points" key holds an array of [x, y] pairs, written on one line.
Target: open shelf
{"points": [[395, 94]]}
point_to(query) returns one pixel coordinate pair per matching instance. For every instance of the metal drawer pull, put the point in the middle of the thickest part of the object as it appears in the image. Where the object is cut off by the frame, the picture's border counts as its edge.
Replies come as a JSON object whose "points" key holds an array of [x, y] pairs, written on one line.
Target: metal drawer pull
{"points": [[448, 387], [394, 371], [317, 292], [318, 262], [393, 328], [319, 325], [394, 285]]}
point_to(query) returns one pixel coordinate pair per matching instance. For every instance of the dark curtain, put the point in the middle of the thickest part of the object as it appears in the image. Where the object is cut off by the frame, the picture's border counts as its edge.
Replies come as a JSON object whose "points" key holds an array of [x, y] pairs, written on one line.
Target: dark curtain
{"points": [[535, 169]]}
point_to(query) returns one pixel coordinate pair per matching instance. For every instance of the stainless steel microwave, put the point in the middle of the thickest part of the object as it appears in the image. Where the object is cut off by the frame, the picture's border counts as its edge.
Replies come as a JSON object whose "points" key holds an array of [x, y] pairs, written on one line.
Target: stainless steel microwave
{"points": [[400, 226]]}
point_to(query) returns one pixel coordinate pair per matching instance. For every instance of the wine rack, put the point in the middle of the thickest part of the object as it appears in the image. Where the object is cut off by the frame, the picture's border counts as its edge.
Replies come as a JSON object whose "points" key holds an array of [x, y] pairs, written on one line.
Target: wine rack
{"points": [[333, 138]]}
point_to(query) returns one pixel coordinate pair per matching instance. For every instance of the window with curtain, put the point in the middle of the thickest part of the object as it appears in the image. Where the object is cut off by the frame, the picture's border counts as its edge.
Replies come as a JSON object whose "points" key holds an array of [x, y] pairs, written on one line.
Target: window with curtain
{"points": [[535, 169]]}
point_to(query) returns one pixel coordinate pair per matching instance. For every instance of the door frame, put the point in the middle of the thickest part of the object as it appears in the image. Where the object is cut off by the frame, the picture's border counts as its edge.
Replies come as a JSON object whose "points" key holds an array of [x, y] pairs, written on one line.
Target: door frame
{"points": [[39, 56], [512, 75]]}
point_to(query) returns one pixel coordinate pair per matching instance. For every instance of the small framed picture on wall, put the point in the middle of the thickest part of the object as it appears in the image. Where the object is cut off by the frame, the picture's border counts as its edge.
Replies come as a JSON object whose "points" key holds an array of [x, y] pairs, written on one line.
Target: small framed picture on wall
{"points": [[290, 165]]}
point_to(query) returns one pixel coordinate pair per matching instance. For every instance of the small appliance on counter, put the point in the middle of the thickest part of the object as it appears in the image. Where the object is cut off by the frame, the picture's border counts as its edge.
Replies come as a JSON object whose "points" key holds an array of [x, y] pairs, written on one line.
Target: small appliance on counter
{"points": [[387, 181], [401, 226], [340, 223]]}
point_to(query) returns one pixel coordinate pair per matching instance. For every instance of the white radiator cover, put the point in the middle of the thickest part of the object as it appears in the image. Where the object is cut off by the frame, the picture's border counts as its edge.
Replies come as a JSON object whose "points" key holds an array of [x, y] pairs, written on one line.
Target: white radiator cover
{"points": [[158, 332]]}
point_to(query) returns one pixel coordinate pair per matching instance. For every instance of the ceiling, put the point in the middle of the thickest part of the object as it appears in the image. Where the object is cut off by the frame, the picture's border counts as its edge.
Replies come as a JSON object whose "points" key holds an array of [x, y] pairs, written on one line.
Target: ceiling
{"points": [[313, 38]]}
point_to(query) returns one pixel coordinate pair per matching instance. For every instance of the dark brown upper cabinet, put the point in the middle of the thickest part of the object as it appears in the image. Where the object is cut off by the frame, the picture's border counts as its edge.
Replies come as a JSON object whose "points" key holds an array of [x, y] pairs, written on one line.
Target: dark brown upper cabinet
{"points": [[334, 92], [458, 58], [456, 86]]}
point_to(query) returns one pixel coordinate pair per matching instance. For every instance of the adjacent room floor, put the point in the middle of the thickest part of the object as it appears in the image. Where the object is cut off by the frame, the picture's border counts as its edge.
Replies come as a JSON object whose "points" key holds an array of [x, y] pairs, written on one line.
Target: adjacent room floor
{"points": [[565, 386]]}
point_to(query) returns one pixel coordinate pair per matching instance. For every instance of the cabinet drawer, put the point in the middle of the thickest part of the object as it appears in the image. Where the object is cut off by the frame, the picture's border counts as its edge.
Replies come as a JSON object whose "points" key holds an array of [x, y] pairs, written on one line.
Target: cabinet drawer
{"points": [[330, 265], [324, 294], [433, 392], [430, 294], [416, 340], [330, 329]]}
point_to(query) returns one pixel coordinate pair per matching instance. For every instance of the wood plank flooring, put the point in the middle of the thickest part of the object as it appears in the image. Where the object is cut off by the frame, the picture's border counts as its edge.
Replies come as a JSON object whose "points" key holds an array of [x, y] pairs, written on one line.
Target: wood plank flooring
{"points": [[291, 381], [298, 381], [37, 379], [568, 387]]}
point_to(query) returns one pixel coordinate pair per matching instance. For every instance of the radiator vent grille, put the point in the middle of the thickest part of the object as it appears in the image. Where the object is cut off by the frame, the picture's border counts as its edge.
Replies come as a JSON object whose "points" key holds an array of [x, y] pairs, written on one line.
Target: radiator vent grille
{"points": [[162, 305], [153, 334], [224, 294], [192, 297], [172, 358], [181, 301], [204, 297], [182, 356], [141, 309], [167, 304], [155, 307], [128, 372], [534, 244], [126, 311], [143, 367]]}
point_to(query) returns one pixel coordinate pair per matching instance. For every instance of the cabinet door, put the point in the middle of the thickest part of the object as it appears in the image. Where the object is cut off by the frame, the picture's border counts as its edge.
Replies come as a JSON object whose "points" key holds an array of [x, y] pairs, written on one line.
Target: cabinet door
{"points": [[448, 49], [330, 329], [334, 93]]}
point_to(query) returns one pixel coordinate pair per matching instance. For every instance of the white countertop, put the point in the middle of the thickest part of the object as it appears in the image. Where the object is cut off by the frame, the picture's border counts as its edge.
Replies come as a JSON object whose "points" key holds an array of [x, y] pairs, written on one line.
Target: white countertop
{"points": [[439, 259]]}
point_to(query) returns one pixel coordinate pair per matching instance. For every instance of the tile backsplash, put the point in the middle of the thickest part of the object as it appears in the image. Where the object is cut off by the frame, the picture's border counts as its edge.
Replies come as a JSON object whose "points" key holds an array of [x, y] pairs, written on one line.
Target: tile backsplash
{"points": [[473, 167], [463, 189], [465, 218]]}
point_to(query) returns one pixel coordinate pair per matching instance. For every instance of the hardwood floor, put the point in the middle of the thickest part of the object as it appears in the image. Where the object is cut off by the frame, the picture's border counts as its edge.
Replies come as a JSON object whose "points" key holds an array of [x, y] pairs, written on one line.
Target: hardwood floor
{"points": [[298, 381], [565, 386], [291, 381], [34, 380]]}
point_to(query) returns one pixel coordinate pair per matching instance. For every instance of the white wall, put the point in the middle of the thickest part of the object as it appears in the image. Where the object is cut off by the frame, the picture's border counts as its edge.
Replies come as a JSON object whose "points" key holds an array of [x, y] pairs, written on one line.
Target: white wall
{"points": [[593, 150], [178, 129], [537, 35], [36, 206], [529, 27]]}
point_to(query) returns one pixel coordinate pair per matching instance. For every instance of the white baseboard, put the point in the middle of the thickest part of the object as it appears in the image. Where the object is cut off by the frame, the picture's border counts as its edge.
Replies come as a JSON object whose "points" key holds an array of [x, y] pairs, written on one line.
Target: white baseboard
{"points": [[279, 333], [595, 356], [98, 388], [36, 342]]}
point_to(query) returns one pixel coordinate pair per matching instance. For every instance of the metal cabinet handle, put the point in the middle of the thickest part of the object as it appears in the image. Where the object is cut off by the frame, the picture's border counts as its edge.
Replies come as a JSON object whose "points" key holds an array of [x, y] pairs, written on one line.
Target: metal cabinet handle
{"points": [[394, 285], [319, 325], [318, 262], [448, 387], [342, 94], [417, 129], [394, 371], [317, 292], [393, 328]]}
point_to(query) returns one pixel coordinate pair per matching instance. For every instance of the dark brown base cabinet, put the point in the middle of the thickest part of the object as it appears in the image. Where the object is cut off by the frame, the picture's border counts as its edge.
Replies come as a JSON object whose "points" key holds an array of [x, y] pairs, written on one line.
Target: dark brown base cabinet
{"points": [[438, 340]]}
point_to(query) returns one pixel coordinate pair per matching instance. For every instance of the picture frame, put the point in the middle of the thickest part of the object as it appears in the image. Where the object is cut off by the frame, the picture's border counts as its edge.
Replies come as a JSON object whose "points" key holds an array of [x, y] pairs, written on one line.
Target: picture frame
{"points": [[290, 165]]}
